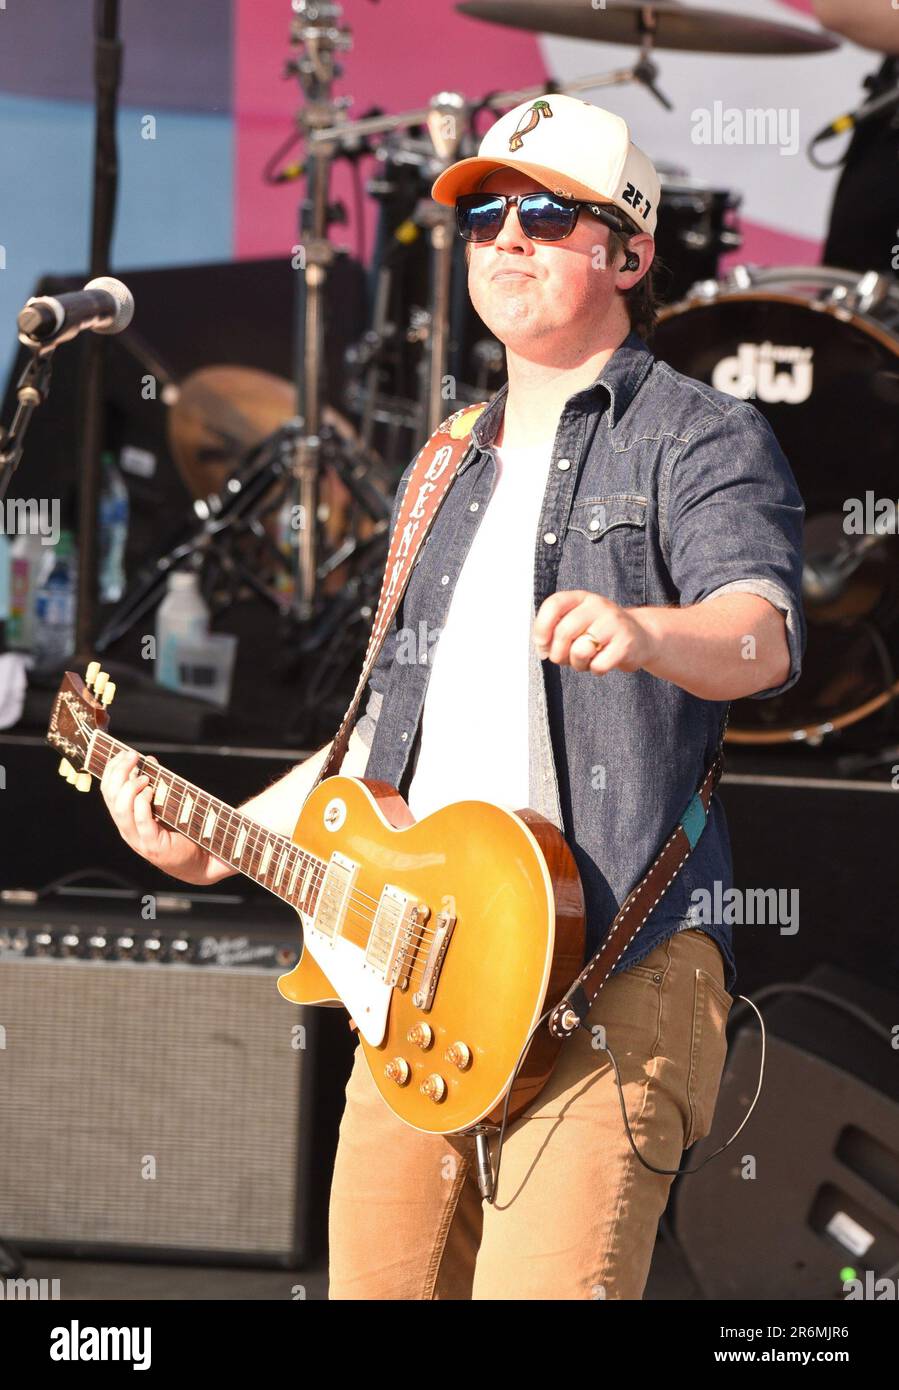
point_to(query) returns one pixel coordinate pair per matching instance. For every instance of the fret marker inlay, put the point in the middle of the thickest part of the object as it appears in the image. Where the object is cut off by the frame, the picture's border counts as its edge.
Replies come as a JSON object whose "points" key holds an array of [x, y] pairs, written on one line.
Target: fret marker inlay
{"points": [[186, 809]]}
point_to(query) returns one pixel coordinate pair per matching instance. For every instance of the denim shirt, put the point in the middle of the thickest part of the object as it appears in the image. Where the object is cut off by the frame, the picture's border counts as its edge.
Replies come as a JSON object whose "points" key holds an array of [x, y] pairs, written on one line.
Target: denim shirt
{"points": [[659, 491]]}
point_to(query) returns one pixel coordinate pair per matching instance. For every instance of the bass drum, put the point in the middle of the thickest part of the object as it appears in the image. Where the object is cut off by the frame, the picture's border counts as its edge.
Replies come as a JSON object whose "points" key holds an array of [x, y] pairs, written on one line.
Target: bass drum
{"points": [[817, 352]]}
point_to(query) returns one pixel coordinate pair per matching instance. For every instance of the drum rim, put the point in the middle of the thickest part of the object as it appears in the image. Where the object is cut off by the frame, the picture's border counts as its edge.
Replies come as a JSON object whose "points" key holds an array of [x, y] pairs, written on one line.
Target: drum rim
{"points": [[863, 321], [792, 734]]}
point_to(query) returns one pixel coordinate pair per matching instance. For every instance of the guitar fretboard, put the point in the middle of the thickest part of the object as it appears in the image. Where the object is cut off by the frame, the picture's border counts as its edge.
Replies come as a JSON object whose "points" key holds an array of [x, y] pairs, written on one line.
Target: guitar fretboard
{"points": [[274, 861]]}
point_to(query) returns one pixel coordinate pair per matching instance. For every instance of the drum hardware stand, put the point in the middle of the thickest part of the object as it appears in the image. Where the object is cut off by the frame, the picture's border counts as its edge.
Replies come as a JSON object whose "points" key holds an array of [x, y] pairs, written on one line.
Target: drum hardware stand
{"points": [[234, 511], [317, 31], [447, 119], [445, 127], [224, 518]]}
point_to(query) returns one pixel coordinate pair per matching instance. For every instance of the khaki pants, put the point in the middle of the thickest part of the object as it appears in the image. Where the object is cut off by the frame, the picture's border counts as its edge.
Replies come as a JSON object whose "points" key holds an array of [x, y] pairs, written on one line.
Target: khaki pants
{"points": [[576, 1213]]}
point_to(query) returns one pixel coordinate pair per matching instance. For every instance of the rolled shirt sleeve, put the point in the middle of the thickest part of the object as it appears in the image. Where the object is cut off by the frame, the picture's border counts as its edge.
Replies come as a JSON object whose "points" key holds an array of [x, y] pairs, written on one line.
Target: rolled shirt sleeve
{"points": [[733, 517]]}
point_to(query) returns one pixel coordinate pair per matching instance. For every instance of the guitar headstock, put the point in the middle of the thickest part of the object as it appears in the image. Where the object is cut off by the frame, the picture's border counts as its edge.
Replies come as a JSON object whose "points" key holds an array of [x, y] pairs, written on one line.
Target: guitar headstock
{"points": [[78, 711]]}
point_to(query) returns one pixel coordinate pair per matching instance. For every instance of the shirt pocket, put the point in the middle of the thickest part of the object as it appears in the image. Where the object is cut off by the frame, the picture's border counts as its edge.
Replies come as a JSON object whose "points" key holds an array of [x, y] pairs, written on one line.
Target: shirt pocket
{"points": [[607, 547]]}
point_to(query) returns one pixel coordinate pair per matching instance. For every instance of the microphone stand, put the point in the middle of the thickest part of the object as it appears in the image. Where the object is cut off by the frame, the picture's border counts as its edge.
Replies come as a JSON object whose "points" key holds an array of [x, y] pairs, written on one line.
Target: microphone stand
{"points": [[107, 70], [32, 391]]}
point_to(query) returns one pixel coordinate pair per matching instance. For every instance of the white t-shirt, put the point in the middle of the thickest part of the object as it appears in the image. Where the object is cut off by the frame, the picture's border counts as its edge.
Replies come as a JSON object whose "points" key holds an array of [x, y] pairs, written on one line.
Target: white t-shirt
{"points": [[474, 737]]}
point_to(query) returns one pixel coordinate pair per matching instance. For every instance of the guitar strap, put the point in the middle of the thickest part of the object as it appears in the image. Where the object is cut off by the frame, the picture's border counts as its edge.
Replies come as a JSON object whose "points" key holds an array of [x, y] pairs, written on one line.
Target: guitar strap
{"points": [[574, 1006], [429, 482]]}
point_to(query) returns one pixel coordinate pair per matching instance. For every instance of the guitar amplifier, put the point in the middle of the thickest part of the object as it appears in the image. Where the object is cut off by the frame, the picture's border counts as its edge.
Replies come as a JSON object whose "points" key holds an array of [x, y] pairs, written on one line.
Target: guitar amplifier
{"points": [[159, 1098]]}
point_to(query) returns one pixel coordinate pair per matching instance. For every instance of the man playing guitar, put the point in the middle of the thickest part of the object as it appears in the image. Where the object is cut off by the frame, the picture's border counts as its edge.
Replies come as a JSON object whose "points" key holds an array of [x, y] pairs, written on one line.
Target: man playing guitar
{"points": [[618, 557]]}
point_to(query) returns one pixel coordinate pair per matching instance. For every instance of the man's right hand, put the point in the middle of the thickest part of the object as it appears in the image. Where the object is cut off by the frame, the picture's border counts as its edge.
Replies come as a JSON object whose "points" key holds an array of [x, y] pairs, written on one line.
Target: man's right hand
{"points": [[129, 798]]}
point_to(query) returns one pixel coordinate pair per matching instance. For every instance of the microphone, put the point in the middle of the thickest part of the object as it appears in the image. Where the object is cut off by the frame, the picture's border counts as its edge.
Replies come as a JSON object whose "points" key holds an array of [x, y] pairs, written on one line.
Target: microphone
{"points": [[825, 577], [865, 113], [104, 305]]}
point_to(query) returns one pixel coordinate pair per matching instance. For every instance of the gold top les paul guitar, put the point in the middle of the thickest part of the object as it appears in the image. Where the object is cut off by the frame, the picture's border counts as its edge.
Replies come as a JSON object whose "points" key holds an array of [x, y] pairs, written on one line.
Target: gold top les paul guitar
{"points": [[446, 939]]}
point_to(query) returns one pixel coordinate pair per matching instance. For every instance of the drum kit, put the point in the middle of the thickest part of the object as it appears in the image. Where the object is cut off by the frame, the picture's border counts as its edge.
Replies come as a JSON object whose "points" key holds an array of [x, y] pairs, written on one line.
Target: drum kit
{"points": [[815, 349]]}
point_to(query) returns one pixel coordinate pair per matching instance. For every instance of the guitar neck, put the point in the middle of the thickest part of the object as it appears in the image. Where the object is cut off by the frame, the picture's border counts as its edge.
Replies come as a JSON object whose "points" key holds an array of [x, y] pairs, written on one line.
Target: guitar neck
{"points": [[274, 861]]}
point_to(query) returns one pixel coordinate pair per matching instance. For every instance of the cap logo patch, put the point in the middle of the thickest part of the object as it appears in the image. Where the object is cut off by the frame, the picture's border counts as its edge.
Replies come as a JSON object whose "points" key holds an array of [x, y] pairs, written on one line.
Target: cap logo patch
{"points": [[637, 201], [529, 121]]}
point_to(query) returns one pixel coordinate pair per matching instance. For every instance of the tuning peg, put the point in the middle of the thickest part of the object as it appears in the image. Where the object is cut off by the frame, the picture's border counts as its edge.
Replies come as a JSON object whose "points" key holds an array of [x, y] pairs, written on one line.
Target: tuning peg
{"points": [[83, 782], [108, 692], [92, 673], [72, 774], [100, 682], [65, 767]]}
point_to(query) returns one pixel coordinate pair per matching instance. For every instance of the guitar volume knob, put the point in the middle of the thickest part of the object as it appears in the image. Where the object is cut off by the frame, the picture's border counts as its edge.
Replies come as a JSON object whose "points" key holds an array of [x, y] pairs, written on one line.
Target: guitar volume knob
{"points": [[398, 1070], [434, 1087], [459, 1054], [421, 1035]]}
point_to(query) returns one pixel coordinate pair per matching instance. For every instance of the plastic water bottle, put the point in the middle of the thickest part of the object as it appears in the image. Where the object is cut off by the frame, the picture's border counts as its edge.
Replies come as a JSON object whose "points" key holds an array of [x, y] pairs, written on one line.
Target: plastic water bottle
{"points": [[182, 618], [5, 588], [54, 608], [28, 555], [113, 518], [5, 576]]}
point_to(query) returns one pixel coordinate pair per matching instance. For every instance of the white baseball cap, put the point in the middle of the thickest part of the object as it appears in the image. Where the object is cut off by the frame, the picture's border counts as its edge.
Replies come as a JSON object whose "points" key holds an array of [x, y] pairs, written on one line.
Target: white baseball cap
{"points": [[574, 148]]}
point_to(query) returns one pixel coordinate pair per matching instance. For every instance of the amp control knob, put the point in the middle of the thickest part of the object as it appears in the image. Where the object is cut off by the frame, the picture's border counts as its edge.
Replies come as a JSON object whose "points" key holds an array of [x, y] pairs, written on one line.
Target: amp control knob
{"points": [[434, 1087], [421, 1035], [398, 1070], [459, 1054]]}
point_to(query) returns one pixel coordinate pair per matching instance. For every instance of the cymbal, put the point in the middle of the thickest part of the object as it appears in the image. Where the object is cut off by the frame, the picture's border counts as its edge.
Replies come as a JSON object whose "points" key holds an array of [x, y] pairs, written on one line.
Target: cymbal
{"points": [[224, 411], [669, 23], [220, 414]]}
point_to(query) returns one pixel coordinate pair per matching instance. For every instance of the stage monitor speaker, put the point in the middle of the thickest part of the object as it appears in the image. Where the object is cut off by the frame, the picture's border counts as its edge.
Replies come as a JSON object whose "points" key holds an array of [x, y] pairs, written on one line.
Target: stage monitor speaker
{"points": [[810, 1188], [160, 1099]]}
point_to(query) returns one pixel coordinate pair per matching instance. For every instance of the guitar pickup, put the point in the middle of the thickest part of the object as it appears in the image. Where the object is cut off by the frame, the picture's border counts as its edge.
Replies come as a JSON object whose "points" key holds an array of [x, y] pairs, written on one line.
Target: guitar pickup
{"points": [[333, 899], [423, 998], [395, 935]]}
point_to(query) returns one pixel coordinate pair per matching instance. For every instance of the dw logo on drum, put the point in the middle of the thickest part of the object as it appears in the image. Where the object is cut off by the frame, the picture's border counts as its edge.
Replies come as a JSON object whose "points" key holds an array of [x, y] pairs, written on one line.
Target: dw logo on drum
{"points": [[777, 375]]}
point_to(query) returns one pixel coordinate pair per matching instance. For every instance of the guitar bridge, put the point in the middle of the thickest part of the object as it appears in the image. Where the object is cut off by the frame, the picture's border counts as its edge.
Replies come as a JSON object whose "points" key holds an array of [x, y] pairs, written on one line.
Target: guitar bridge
{"points": [[423, 997]]}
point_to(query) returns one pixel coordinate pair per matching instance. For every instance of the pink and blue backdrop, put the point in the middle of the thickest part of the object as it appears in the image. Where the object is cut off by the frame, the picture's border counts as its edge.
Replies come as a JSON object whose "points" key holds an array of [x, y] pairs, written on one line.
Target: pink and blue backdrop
{"points": [[210, 74]]}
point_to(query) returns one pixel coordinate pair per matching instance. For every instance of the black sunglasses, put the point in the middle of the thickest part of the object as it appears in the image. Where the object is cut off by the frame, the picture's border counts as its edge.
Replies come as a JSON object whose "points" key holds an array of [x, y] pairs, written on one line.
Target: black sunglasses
{"points": [[543, 216]]}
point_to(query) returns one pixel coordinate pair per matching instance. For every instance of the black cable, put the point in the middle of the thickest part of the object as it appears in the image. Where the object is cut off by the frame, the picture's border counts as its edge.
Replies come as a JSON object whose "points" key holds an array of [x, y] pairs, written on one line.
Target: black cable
{"points": [[491, 1197], [819, 163], [269, 174], [808, 991], [358, 200]]}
